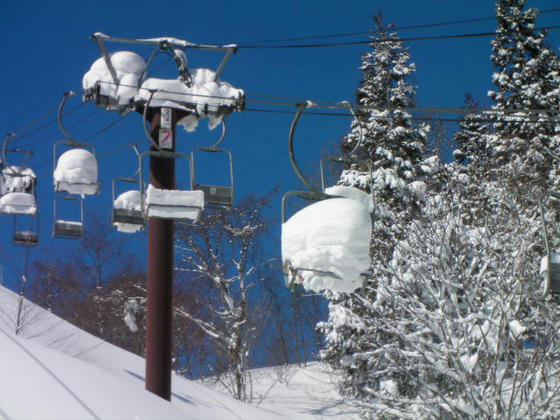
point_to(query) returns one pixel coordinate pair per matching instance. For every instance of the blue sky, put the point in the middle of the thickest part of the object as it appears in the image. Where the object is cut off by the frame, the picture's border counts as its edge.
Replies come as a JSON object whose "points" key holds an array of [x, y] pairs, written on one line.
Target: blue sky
{"points": [[47, 50]]}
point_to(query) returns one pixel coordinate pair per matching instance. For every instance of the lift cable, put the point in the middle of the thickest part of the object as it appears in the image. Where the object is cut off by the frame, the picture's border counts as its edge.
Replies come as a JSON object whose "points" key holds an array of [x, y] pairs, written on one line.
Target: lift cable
{"points": [[372, 32], [378, 41]]}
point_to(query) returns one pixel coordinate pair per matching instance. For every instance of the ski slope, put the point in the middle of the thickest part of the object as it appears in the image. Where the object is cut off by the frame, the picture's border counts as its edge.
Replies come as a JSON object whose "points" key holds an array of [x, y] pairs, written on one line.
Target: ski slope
{"points": [[53, 369]]}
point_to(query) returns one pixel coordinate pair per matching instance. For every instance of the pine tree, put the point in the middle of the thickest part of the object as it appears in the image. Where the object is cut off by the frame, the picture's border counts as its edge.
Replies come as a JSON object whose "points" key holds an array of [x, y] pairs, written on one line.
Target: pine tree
{"points": [[525, 143], [388, 163]]}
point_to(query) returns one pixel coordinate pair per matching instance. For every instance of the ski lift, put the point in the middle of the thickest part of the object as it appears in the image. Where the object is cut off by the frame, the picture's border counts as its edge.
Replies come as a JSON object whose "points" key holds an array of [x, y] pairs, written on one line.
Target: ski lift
{"points": [[550, 264], [75, 170], [19, 197], [127, 214], [291, 272], [26, 230], [214, 195], [69, 228], [303, 242], [185, 205], [168, 45]]}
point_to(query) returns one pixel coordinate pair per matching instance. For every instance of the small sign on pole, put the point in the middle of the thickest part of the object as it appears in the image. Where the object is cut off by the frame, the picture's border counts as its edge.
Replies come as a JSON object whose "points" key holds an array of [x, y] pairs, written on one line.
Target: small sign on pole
{"points": [[165, 123], [165, 139]]}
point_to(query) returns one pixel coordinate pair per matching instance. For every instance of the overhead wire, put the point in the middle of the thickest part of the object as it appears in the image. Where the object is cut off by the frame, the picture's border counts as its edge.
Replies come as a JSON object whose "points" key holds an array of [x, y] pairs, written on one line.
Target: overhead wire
{"points": [[379, 41], [394, 28]]}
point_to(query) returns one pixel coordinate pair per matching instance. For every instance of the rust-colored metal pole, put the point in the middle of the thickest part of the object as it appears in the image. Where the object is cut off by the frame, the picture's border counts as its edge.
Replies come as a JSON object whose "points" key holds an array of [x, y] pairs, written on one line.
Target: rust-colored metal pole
{"points": [[160, 276]]}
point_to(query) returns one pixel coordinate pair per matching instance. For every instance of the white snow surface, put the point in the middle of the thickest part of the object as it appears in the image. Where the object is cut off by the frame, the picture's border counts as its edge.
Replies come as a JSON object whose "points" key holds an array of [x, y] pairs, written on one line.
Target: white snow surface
{"points": [[174, 204], [353, 194], [76, 172], [53, 370], [128, 200], [213, 99], [333, 236], [18, 203], [16, 179], [129, 68]]}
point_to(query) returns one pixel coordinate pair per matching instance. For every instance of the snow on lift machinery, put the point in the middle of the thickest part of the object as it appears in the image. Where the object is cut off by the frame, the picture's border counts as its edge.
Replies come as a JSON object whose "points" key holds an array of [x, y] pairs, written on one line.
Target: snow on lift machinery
{"points": [[312, 194], [550, 265], [75, 170], [19, 197], [128, 215], [174, 204], [172, 46], [217, 195]]}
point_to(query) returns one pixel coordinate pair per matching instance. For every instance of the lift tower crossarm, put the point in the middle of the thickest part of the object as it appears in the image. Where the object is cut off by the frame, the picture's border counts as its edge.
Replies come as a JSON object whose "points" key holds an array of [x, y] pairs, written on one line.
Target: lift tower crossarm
{"points": [[162, 43]]}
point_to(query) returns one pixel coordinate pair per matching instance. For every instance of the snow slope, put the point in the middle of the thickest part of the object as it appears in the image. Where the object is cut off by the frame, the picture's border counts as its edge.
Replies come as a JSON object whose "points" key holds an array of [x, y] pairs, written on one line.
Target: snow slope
{"points": [[54, 370]]}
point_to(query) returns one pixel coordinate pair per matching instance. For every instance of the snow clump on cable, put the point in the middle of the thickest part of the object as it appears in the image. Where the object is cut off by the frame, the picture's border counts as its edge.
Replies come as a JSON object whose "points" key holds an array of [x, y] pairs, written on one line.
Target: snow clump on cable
{"points": [[327, 243]]}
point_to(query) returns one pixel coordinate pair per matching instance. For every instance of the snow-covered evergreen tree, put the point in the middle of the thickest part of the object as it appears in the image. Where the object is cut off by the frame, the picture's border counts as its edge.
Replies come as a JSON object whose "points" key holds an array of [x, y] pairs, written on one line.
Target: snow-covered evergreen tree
{"points": [[388, 163], [455, 297], [524, 143]]}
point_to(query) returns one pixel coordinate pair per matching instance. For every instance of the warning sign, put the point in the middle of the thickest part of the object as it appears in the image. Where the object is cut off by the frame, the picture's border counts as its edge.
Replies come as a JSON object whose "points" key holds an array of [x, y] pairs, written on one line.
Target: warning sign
{"points": [[166, 139]]}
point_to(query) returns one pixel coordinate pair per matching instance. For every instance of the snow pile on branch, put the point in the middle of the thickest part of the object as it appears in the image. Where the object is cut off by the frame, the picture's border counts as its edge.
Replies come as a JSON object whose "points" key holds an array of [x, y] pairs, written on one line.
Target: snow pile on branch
{"points": [[18, 203], [132, 201], [327, 243], [174, 204], [76, 172], [17, 179], [129, 68], [207, 97]]}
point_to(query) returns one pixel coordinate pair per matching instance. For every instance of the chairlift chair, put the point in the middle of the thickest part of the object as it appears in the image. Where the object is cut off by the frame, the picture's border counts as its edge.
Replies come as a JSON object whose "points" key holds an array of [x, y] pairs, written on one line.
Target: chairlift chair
{"points": [[312, 194], [74, 179], [26, 234], [70, 229], [550, 266], [127, 215], [214, 195], [184, 205], [19, 197]]}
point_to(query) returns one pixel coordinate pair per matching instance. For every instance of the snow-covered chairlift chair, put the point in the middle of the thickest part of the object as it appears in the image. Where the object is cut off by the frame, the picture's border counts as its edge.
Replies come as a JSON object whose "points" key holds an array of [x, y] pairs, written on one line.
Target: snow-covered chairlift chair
{"points": [[73, 227], [550, 264], [325, 245], [214, 195], [75, 169], [181, 205], [127, 215], [18, 188]]}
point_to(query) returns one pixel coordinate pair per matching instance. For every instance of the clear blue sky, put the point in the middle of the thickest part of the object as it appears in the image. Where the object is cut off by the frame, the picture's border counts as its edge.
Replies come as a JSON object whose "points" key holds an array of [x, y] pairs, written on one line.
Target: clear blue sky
{"points": [[47, 50]]}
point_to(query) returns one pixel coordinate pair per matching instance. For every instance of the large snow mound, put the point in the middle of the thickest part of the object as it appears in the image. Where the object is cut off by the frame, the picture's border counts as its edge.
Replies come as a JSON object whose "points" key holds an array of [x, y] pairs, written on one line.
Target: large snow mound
{"points": [[18, 203], [213, 99], [174, 204], [17, 179], [328, 242], [76, 172], [129, 68]]}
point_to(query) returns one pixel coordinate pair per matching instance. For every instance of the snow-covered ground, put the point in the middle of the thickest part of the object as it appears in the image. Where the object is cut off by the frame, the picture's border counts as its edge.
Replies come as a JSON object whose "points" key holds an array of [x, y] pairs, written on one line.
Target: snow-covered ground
{"points": [[52, 369]]}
